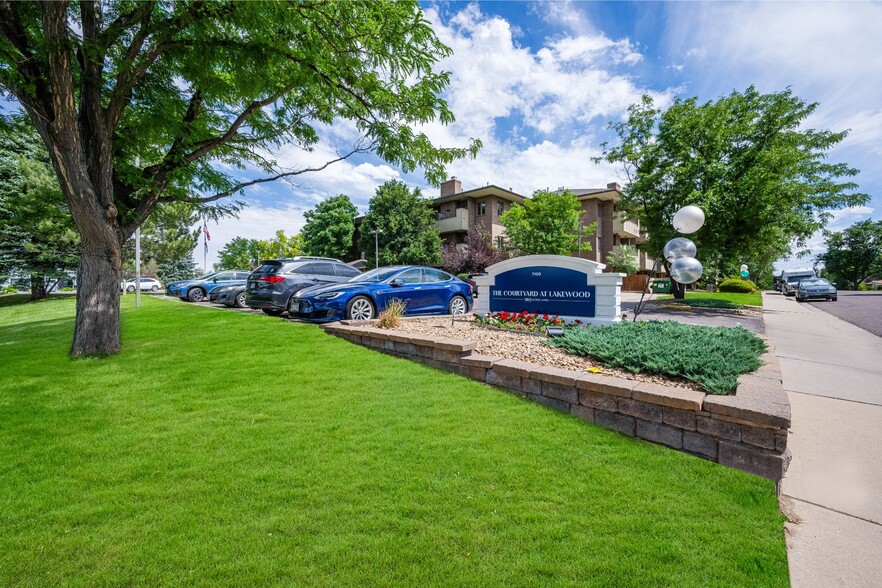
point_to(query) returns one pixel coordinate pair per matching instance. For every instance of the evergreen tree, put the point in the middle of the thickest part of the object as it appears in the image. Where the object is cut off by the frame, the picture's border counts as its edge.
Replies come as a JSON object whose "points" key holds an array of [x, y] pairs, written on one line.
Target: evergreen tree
{"points": [[329, 229]]}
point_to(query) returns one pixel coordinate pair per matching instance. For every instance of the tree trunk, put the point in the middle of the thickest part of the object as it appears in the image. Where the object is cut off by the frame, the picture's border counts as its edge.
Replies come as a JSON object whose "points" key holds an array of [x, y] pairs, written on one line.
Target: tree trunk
{"points": [[678, 290], [38, 287], [97, 324]]}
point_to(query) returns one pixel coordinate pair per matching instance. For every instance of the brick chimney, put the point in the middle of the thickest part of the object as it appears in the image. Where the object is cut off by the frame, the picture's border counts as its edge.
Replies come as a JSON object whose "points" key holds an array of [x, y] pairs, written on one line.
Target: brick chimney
{"points": [[451, 187], [614, 186]]}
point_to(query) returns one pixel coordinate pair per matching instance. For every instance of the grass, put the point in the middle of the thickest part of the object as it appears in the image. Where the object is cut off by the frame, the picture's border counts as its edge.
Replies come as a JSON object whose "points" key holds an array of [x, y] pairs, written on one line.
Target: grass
{"points": [[222, 448], [732, 300], [712, 357]]}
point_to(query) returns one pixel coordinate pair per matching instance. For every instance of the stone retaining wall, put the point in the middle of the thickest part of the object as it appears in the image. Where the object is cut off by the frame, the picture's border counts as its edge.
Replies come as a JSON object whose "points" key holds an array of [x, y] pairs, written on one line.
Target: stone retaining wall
{"points": [[747, 431]]}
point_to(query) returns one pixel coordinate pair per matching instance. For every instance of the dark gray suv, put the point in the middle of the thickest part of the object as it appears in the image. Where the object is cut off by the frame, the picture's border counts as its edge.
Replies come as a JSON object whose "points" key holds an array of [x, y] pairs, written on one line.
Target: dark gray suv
{"points": [[272, 285]]}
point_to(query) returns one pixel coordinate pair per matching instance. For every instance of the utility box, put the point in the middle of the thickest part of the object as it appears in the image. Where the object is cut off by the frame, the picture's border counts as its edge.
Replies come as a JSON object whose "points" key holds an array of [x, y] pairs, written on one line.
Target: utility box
{"points": [[661, 286]]}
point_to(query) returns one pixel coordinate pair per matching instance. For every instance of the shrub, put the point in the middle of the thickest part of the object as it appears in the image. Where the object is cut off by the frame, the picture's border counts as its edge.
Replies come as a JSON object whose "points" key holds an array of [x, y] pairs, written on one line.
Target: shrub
{"points": [[391, 317], [9, 289], [737, 285], [712, 357], [68, 289], [863, 287]]}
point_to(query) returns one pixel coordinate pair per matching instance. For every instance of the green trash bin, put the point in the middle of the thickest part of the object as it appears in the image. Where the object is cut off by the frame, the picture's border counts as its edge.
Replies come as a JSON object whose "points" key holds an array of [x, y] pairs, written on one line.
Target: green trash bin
{"points": [[661, 286]]}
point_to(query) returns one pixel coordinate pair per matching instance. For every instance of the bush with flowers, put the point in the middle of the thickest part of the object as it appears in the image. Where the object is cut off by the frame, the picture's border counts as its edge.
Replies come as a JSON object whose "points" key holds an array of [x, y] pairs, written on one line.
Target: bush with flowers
{"points": [[520, 321]]}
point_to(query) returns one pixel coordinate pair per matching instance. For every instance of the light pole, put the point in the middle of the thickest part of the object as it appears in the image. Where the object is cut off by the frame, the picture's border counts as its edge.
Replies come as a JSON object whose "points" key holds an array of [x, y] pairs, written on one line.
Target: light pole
{"points": [[376, 233], [138, 253]]}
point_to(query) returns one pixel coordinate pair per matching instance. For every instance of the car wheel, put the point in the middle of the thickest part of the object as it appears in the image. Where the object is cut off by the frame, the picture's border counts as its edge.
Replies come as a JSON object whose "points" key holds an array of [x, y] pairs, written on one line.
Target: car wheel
{"points": [[154, 288], [360, 308], [130, 288], [272, 311], [196, 295], [239, 301], [834, 299], [457, 305], [798, 299]]}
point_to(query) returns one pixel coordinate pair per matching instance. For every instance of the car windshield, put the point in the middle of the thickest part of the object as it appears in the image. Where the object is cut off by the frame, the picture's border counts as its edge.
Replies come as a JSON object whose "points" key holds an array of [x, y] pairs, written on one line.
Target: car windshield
{"points": [[206, 276], [814, 282], [378, 275]]}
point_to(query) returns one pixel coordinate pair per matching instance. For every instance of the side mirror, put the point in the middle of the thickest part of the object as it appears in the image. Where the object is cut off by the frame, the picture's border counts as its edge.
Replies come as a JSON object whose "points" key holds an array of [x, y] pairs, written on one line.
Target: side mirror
{"points": [[214, 280], [396, 283]]}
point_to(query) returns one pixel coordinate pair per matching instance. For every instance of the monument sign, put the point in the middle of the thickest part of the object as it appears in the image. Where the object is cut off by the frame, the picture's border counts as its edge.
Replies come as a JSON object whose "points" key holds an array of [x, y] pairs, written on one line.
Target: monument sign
{"points": [[572, 288]]}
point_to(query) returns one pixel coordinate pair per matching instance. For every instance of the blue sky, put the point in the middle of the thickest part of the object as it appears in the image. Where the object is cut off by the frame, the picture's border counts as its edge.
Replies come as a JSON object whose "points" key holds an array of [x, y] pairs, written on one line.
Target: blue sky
{"points": [[538, 82]]}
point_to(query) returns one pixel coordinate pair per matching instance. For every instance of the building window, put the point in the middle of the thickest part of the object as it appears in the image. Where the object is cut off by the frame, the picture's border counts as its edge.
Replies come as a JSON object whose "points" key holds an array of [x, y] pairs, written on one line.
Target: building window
{"points": [[482, 208], [500, 208], [500, 242]]}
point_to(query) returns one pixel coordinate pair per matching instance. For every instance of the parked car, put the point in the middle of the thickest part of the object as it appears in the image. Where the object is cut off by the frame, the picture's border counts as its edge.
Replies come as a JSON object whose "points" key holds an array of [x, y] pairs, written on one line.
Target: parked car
{"points": [[811, 288], [215, 293], [474, 284], [147, 284], [790, 280], [272, 285], [197, 290], [231, 296], [424, 290]]}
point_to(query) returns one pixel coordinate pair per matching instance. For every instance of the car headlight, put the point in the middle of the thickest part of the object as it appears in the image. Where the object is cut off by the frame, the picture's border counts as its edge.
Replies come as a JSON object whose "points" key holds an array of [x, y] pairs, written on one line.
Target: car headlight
{"points": [[328, 295]]}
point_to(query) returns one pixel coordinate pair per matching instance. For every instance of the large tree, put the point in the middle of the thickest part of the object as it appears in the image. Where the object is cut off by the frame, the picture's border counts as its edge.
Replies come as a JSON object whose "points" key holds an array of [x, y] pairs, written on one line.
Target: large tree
{"points": [[547, 223], [406, 224], [37, 235], [138, 101], [762, 180], [854, 254], [330, 227]]}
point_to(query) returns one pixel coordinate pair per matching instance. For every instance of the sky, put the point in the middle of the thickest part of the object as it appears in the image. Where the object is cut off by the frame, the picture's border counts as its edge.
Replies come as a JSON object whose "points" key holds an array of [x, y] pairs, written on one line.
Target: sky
{"points": [[539, 82]]}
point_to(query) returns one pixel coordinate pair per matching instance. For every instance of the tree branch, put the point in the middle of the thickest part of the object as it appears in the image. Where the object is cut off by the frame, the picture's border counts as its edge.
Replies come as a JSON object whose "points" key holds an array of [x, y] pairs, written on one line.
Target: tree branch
{"points": [[243, 185]]}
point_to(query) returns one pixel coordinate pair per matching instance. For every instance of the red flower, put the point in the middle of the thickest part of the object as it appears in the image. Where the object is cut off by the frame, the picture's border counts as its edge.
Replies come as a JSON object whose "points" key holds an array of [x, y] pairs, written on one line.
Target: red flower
{"points": [[544, 317]]}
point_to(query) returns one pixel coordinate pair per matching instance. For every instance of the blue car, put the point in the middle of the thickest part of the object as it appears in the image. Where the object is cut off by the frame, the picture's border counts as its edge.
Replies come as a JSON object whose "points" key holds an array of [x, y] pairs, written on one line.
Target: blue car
{"points": [[197, 290], [423, 290]]}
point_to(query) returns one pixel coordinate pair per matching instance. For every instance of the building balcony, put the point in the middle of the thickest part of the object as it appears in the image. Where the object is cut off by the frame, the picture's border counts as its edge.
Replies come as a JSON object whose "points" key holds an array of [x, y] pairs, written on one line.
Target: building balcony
{"points": [[625, 228], [452, 222]]}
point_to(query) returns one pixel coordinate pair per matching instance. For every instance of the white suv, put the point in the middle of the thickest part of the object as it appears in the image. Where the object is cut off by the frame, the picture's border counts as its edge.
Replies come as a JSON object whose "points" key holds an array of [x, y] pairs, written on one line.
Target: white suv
{"points": [[147, 284]]}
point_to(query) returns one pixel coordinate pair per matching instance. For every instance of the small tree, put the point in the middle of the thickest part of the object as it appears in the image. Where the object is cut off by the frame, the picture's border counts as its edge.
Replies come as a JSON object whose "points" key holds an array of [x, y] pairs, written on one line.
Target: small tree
{"points": [[281, 246], [177, 269], [406, 224], [548, 223], [329, 228], [240, 253], [623, 260], [477, 254], [168, 236], [854, 254]]}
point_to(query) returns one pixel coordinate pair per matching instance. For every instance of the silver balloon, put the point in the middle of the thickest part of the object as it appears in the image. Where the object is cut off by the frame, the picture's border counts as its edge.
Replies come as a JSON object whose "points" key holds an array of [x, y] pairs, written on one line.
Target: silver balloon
{"points": [[679, 247], [686, 270], [688, 219]]}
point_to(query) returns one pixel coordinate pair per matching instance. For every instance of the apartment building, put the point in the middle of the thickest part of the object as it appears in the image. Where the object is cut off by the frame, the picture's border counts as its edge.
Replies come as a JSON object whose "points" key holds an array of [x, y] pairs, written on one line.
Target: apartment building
{"points": [[458, 212], [480, 208], [613, 230]]}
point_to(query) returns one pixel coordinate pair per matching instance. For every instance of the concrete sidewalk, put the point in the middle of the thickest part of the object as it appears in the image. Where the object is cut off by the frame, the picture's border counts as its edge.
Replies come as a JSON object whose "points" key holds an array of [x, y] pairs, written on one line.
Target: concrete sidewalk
{"points": [[832, 492]]}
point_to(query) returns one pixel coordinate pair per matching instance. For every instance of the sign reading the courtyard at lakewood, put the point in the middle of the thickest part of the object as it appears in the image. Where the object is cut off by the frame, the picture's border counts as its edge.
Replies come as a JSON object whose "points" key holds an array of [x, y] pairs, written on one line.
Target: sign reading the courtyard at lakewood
{"points": [[541, 288], [572, 288]]}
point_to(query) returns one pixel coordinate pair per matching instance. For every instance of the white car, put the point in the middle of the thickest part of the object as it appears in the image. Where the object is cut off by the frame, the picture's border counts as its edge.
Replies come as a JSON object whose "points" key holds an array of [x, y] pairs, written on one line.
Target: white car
{"points": [[147, 285]]}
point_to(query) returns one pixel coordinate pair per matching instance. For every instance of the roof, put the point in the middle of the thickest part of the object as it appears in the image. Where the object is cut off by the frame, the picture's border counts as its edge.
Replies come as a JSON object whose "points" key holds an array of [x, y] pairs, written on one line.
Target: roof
{"points": [[598, 193], [482, 192]]}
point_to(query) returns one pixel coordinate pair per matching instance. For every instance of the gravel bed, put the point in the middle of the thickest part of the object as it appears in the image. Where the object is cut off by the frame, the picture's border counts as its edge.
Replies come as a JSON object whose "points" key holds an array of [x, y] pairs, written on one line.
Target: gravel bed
{"points": [[522, 347]]}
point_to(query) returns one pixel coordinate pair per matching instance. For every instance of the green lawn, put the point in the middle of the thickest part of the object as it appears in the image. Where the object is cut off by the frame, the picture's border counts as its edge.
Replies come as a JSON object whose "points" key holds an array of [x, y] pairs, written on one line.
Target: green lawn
{"points": [[719, 299], [221, 448]]}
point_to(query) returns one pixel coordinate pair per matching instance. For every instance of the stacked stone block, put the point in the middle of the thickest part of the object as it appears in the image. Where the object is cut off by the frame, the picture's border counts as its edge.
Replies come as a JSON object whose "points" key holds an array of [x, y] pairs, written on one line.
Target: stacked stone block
{"points": [[747, 430]]}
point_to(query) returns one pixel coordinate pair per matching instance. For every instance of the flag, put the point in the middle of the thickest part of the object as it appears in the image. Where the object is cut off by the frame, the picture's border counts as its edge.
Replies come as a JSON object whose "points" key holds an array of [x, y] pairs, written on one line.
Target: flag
{"points": [[205, 230]]}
